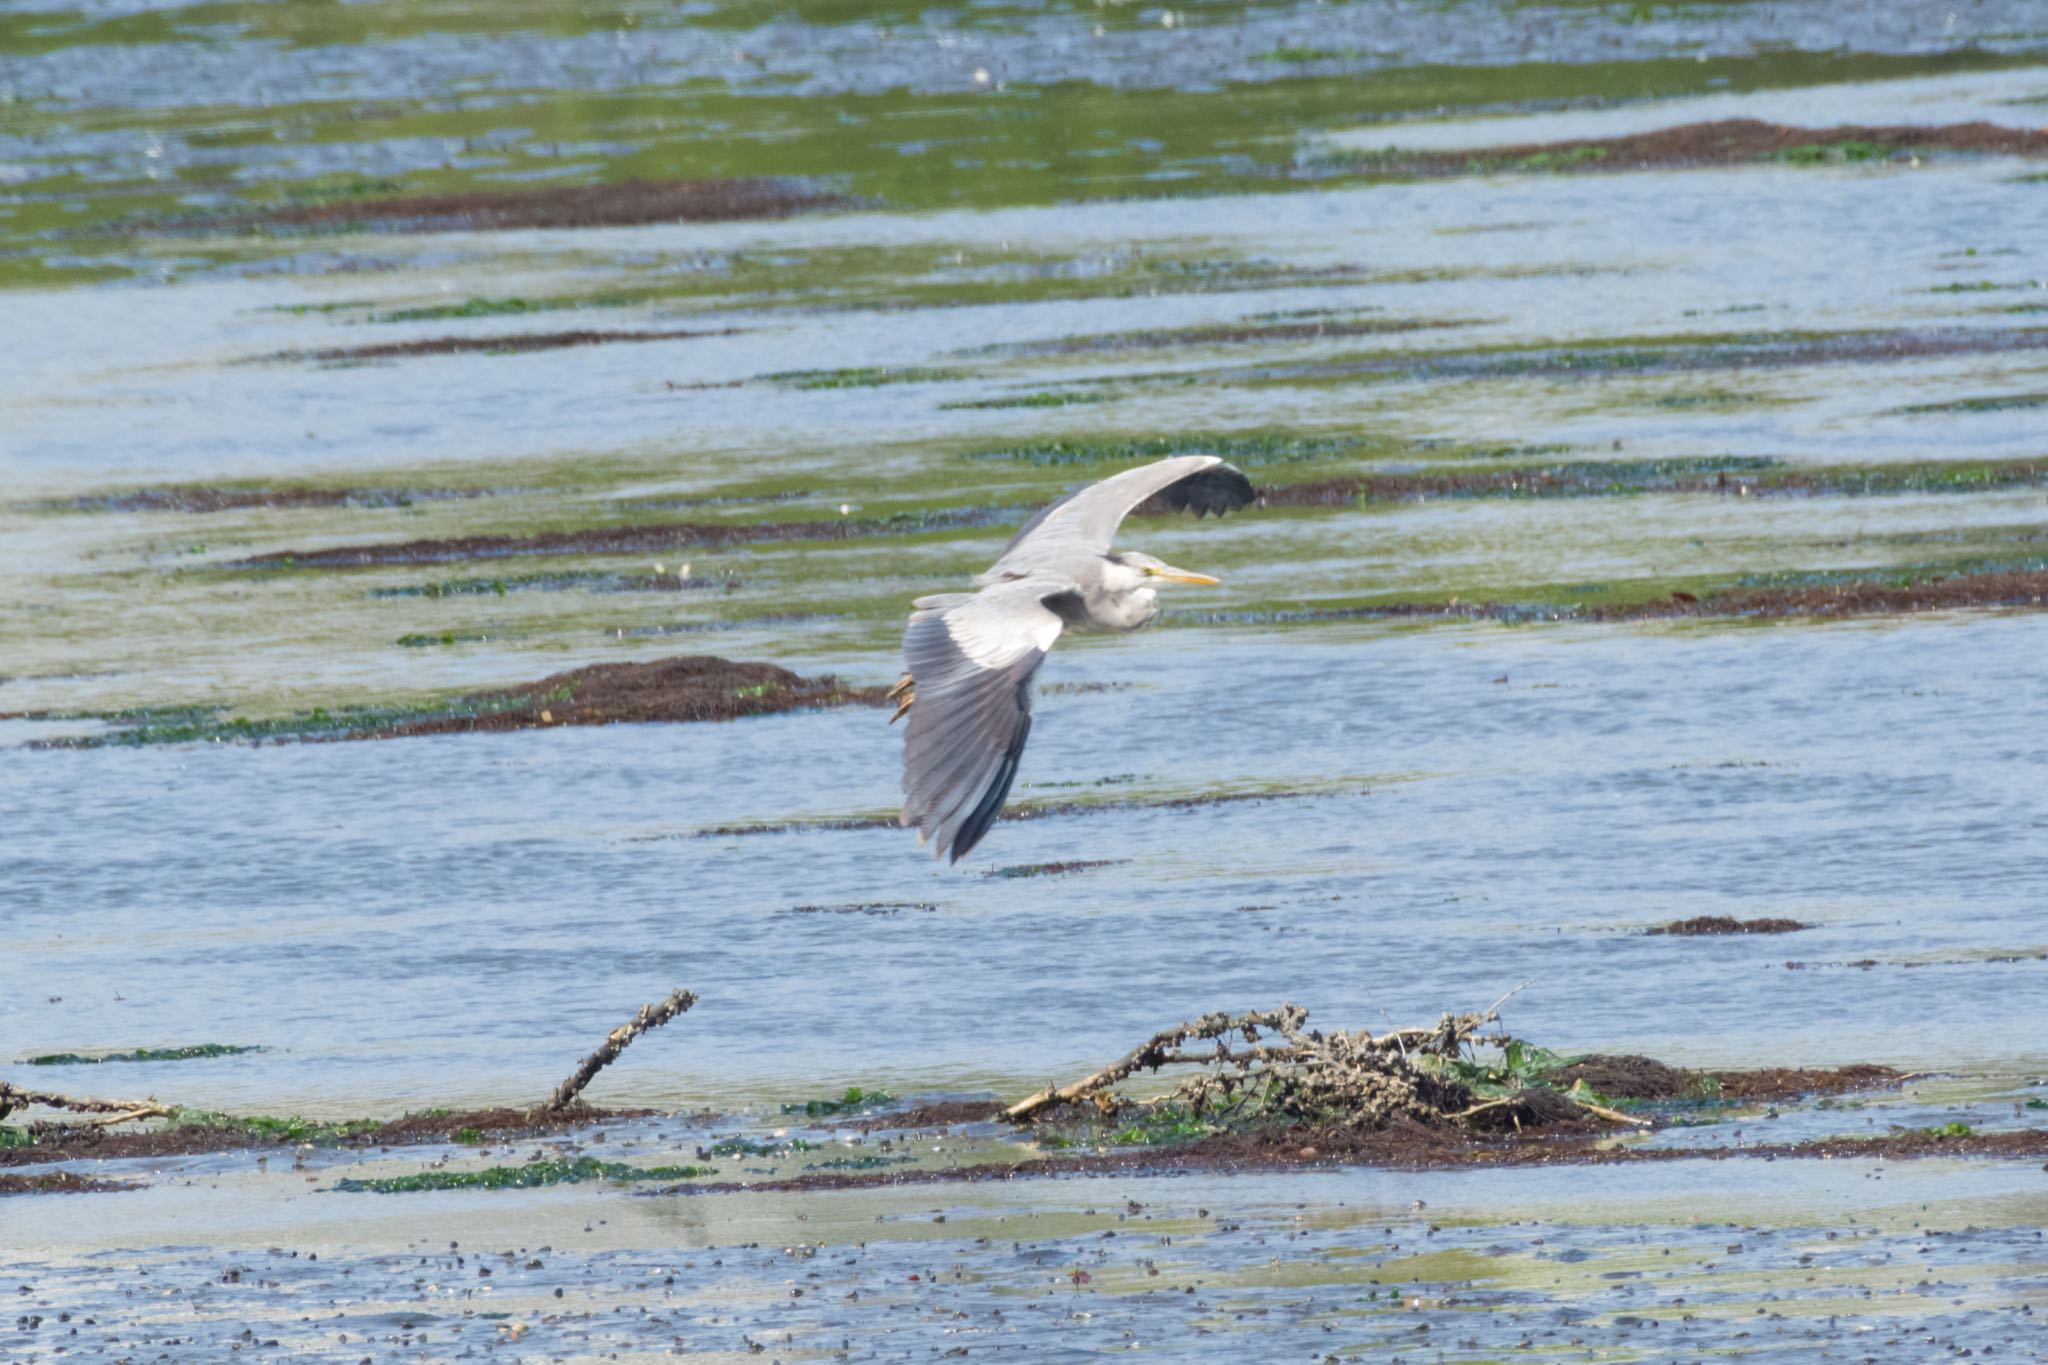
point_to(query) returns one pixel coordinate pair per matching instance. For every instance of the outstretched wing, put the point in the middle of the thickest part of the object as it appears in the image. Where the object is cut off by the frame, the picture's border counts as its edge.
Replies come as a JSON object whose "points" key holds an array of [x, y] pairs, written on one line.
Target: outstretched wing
{"points": [[972, 659], [1083, 524]]}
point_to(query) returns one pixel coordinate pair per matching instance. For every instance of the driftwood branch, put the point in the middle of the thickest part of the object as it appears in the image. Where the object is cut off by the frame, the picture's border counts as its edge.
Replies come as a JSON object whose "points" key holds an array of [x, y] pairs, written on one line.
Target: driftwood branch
{"points": [[650, 1016], [1158, 1051], [111, 1111], [1611, 1115], [1225, 1057]]}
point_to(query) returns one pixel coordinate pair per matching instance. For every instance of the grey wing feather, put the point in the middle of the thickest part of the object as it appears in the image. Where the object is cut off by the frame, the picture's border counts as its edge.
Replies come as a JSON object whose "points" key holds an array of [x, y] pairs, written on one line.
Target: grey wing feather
{"points": [[973, 659], [1084, 523]]}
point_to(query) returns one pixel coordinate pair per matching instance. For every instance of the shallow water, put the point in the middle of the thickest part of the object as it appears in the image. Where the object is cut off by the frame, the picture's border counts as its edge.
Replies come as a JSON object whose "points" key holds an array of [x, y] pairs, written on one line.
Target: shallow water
{"points": [[1447, 811], [446, 920], [1771, 1266]]}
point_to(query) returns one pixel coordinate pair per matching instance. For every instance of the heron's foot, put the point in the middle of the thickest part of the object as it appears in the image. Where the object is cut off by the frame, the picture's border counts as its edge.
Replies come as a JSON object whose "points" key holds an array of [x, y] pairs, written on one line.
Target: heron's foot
{"points": [[903, 694]]}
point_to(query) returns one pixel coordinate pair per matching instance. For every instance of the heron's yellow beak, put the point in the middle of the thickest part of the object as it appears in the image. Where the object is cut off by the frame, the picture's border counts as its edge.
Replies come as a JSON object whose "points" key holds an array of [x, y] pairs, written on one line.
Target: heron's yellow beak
{"points": [[1184, 576]]}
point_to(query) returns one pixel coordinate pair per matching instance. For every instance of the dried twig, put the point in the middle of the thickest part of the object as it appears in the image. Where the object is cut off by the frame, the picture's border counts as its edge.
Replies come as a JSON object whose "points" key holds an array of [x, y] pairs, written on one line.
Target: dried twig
{"points": [[1486, 1105], [112, 1111], [650, 1016], [1224, 1057], [1611, 1115], [1155, 1053]]}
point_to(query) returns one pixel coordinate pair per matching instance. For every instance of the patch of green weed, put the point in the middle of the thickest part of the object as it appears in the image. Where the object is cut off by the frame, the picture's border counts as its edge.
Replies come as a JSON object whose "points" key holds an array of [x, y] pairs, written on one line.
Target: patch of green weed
{"points": [[141, 1054], [1518, 1066], [1846, 152], [860, 378], [532, 1175], [266, 1128], [858, 1163], [748, 1147], [468, 308], [854, 1101], [1045, 398], [1254, 449]]}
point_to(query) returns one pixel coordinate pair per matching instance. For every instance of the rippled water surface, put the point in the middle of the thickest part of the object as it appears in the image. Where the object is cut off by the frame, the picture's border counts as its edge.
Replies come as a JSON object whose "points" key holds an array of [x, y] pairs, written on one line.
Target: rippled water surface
{"points": [[1455, 812], [1025, 245]]}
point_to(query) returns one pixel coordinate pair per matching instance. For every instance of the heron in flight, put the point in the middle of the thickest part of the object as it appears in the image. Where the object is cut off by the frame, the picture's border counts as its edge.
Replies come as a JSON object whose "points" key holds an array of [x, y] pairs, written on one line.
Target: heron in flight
{"points": [[969, 657]]}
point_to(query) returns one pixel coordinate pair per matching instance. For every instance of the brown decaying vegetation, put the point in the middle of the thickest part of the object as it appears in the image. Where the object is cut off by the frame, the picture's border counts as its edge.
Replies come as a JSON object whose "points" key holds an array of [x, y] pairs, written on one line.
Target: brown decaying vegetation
{"points": [[691, 688], [2007, 588], [69, 1142], [1568, 480], [201, 499], [59, 1182], [504, 343], [1725, 142], [1705, 925], [2014, 588], [569, 206], [597, 540]]}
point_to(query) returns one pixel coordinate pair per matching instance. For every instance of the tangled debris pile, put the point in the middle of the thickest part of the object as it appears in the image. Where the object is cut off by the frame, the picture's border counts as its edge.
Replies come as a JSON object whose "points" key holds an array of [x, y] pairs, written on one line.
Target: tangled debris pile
{"points": [[1268, 1066]]}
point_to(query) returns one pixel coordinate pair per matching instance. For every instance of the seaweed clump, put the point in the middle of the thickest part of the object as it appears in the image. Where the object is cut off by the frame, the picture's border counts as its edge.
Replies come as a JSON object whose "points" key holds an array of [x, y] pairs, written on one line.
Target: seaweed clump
{"points": [[1702, 925]]}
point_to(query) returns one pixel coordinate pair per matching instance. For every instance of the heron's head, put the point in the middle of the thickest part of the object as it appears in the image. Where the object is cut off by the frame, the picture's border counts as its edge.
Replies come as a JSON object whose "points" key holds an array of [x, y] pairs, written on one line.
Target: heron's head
{"points": [[1150, 570]]}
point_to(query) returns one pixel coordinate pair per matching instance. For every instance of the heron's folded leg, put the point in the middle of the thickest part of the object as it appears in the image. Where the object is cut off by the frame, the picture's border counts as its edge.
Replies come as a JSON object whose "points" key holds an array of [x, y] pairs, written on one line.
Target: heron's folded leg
{"points": [[903, 693]]}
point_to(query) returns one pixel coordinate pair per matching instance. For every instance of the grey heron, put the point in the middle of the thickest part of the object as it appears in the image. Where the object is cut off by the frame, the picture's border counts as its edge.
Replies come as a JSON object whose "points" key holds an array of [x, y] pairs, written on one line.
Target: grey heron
{"points": [[969, 657]]}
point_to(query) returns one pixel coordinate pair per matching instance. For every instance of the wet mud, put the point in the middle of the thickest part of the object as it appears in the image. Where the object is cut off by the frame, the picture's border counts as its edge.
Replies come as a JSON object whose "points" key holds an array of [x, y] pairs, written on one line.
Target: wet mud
{"points": [[505, 343], [1649, 356], [1228, 335], [201, 500], [690, 688], [635, 540], [699, 687], [1870, 597], [1414, 1148], [2019, 589], [629, 203], [1632, 1077], [669, 580], [60, 1182], [1562, 1134], [1865, 964], [1726, 924], [199, 1134], [1745, 478], [1053, 869], [943, 1114], [1781, 1083], [1724, 142]]}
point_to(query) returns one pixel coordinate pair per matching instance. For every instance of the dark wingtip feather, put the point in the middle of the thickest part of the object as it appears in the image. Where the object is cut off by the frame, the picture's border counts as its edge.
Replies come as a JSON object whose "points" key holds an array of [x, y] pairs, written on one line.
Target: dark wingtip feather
{"points": [[1215, 491], [983, 816]]}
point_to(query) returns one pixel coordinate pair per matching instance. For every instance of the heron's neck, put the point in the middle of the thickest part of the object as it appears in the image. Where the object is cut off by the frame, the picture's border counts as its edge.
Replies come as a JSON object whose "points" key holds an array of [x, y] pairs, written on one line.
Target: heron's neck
{"points": [[1111, 608]]}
